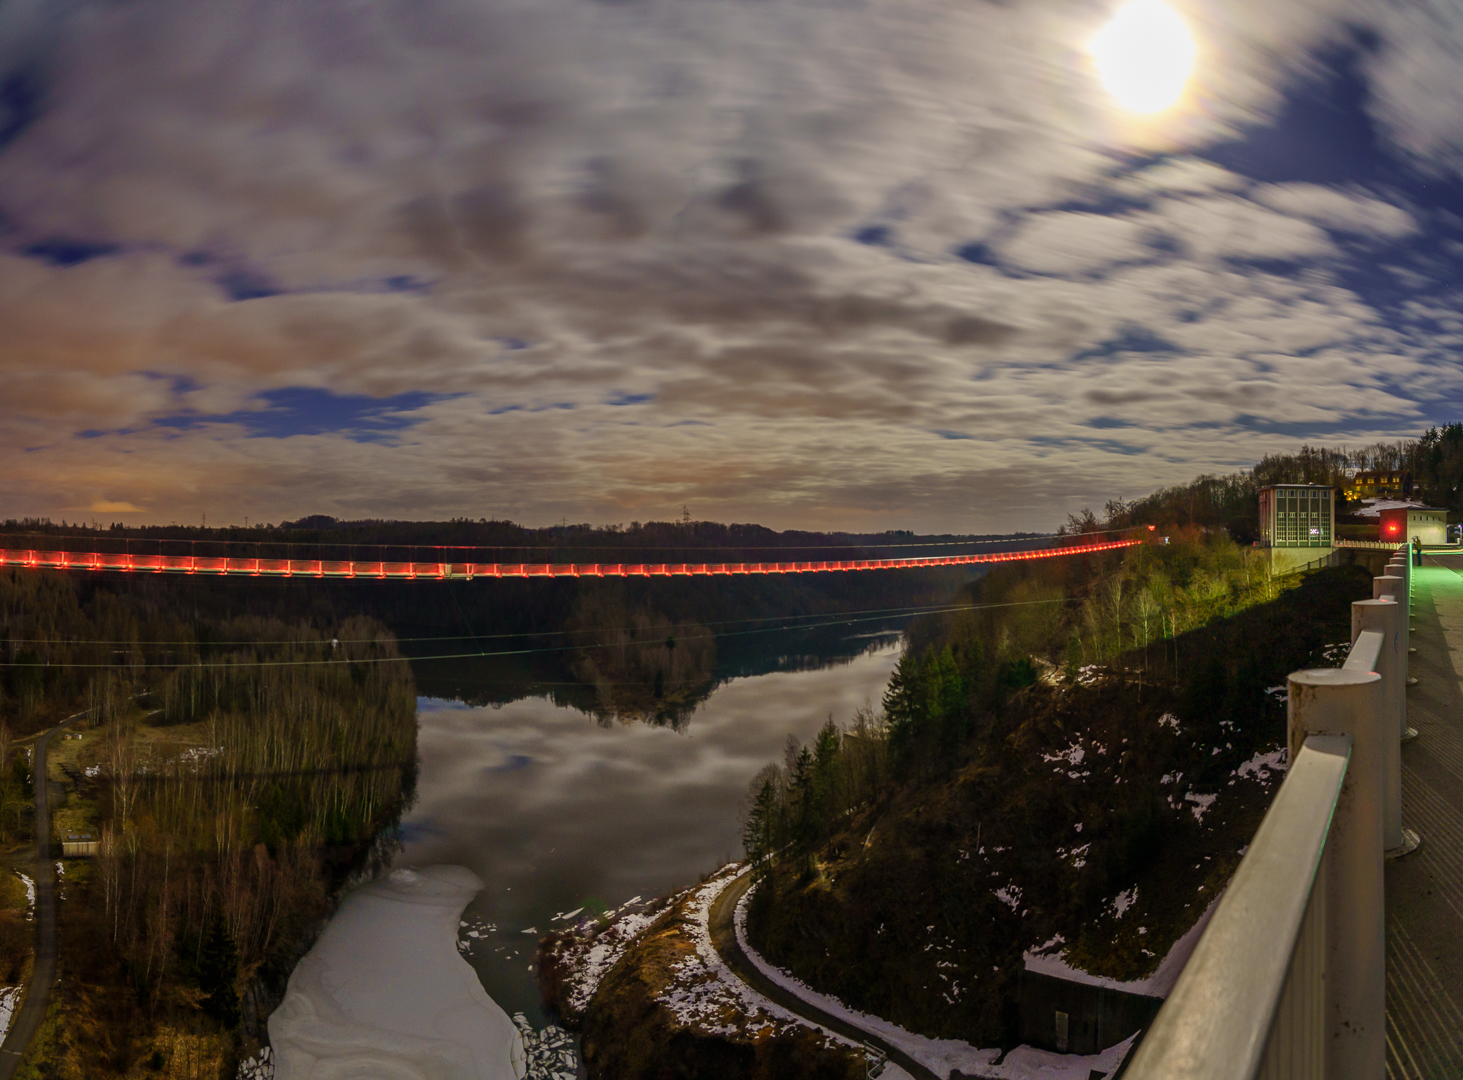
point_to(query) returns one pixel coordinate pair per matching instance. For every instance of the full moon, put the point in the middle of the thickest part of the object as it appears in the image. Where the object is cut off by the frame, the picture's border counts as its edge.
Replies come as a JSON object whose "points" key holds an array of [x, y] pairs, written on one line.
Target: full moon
{"points": [[1144, 56]]}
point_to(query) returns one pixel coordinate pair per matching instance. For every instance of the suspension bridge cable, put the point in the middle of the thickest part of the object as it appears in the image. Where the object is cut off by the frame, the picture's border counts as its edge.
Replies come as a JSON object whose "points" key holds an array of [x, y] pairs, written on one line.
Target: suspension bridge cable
{"points": [[501, 652]]}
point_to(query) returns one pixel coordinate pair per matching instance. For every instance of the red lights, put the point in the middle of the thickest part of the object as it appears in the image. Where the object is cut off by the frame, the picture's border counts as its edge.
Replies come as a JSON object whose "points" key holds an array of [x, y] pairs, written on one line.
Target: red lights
{"points": [[437, 571]]}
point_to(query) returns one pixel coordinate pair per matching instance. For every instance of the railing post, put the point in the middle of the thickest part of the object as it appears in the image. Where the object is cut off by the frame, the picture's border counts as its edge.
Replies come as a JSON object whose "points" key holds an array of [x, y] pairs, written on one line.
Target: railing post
{"points": [[1400, 565], [1393, 584], [1334, 701], [1385, 616]]}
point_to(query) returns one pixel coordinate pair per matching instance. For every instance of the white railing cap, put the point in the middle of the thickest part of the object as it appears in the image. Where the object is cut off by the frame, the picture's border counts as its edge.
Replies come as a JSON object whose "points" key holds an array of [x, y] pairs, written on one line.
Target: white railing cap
{"points": [[1215, 1023]]}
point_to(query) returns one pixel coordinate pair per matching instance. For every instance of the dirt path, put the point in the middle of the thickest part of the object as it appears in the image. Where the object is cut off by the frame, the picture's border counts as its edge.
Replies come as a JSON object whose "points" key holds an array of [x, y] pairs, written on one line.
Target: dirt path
{"points": [[43, 972], [720, 920]]}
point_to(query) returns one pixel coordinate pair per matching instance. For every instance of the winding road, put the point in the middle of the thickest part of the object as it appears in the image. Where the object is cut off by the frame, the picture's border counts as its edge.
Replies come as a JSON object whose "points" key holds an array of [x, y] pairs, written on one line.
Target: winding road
{"points": [[43, 973], [721, 922]]}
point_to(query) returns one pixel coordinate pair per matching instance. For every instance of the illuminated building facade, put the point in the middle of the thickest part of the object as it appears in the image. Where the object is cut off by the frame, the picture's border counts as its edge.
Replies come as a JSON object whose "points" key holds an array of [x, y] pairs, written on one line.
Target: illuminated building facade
{"points": [[1394, 483], [1297, 516]]}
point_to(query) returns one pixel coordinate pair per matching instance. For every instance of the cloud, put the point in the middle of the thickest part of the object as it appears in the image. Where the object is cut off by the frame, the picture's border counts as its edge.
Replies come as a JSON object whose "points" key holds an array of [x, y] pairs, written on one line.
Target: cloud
{"points": [[1075, 243], [599, 260], [107, 506], [1341, 211]]}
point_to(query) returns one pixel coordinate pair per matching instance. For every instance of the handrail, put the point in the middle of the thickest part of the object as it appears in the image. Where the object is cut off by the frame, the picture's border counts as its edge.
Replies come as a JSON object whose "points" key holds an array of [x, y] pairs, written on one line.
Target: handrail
{"points": [[1205, 1030], [1286, 982]]}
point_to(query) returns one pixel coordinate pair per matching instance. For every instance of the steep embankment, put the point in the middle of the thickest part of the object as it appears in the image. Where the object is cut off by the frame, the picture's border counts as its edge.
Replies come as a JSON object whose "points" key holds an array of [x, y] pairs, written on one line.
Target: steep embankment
{"points": [[1092, 813], [652, 997]]}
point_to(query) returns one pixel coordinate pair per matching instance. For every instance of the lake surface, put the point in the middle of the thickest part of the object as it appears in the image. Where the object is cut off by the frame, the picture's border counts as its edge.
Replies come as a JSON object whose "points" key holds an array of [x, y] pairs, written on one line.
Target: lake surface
{"points": [[555, 810]]}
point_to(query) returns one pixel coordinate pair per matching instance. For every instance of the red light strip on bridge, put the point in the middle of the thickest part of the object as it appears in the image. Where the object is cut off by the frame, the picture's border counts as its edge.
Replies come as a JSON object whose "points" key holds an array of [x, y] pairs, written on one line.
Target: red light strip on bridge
{"points": [[442, 571]]}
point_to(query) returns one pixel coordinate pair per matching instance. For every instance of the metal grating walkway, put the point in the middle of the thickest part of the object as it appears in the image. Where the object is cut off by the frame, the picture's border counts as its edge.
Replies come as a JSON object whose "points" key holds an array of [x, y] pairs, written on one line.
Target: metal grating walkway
{"points": [[1425, 890]]}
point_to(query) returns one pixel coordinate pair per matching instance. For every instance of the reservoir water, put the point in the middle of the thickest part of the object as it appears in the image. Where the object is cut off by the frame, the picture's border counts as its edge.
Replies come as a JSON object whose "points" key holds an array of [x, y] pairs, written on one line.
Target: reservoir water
{"points": [[556, 810]]}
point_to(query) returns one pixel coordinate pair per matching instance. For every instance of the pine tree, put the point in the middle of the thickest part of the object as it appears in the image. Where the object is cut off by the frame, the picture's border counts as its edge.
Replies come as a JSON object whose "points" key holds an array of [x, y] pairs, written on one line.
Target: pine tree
{"points": [[218, 973]]}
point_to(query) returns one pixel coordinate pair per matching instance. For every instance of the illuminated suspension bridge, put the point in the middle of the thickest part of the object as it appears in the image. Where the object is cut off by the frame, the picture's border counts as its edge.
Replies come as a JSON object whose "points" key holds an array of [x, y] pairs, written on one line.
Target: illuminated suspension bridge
{"points": [[444, 569]]}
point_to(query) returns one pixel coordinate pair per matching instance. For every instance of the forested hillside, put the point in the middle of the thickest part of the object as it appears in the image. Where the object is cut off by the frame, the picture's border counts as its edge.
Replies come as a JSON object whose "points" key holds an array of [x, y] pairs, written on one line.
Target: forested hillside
{"points": [[1073, 761], [233, 770]]}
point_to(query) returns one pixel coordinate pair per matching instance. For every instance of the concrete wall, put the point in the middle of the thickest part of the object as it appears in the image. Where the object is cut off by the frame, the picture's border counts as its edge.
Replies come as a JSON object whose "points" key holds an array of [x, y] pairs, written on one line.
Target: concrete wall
{"points": [[1287, 560], [1096, 1016]]}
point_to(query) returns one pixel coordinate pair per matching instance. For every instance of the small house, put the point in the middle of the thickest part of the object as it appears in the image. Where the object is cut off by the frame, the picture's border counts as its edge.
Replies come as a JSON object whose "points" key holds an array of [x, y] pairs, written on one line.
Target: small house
{"points": [[75, 845], [1403, 524], [1380, 484]]}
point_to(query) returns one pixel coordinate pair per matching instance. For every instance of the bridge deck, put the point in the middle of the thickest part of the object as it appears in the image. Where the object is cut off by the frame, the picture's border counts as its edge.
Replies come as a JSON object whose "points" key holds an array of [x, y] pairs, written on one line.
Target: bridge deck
{"points": [[1425, 889]]}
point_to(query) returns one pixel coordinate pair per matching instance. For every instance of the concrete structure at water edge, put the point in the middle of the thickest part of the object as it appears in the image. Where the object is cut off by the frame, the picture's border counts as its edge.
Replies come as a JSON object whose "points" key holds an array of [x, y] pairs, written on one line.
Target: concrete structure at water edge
{"points": [[1297, 524], [1426, 523]]}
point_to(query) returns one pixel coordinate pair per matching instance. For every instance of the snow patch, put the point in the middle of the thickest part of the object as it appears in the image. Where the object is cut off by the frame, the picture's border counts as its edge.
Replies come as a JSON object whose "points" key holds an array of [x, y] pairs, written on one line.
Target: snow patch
{"points": [[941, 1055], [1159, 984], [1072, 755], [1203, 802], [705, 993], [1123, 901], [1375, 507], [30, 896], [1263, 764], [9, 1006], [1169, 720], [588, 969]]}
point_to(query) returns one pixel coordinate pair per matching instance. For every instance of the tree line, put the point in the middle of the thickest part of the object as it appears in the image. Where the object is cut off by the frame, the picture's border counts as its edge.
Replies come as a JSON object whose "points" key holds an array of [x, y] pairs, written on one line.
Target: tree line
{"points": [[1434, 460]]}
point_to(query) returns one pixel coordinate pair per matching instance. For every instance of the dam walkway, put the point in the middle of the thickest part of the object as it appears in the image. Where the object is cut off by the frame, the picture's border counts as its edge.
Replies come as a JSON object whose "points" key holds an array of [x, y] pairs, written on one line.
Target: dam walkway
{"points": [[1424, 891]]}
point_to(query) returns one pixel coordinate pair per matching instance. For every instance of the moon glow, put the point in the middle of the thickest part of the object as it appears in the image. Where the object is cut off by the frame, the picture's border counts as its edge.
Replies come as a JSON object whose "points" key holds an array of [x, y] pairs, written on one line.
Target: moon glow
{"points": [[1144, 56]]}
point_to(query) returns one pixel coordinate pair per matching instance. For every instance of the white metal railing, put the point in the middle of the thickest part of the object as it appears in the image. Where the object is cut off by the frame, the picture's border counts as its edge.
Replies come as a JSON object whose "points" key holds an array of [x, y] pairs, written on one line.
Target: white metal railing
{"points": [[1287, 981]]}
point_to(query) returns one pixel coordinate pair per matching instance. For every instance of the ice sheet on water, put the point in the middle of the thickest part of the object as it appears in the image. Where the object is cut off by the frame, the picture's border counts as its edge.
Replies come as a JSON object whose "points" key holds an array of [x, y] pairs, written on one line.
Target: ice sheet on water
{"points": [[552, 1053], [384, 990]]}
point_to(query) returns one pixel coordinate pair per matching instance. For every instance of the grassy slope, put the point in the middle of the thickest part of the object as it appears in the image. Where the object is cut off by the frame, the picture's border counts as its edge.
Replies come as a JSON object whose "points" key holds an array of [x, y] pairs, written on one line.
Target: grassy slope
{"points": [[899, 914]]}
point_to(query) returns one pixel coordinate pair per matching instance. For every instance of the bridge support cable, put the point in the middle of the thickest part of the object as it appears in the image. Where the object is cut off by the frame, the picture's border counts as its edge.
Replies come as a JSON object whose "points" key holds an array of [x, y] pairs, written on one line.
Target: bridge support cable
{"points": [[1288, 980], [220, 566]]}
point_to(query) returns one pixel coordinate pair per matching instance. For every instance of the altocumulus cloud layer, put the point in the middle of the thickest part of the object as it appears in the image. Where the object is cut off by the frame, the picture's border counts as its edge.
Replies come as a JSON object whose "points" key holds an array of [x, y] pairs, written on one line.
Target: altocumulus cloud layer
{"points": [[829, 263]]}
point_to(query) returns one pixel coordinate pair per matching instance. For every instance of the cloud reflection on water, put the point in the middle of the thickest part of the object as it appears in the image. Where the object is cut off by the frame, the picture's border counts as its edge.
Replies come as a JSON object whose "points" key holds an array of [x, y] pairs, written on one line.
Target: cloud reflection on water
{"points": [[553, 810]]}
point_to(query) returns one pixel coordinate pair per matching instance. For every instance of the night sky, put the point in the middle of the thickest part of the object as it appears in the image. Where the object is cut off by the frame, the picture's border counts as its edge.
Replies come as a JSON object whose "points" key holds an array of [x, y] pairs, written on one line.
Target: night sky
{"points": [[811, 263]]}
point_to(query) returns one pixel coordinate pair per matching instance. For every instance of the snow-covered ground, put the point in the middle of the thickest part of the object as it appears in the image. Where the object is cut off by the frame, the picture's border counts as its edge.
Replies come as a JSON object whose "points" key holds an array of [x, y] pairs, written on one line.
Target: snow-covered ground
{"points": [[626, 923], [1376, 506], [1159, 984], [706, 993], [30, 895], [384, 992], [943, 1056], [9, 1003]]}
